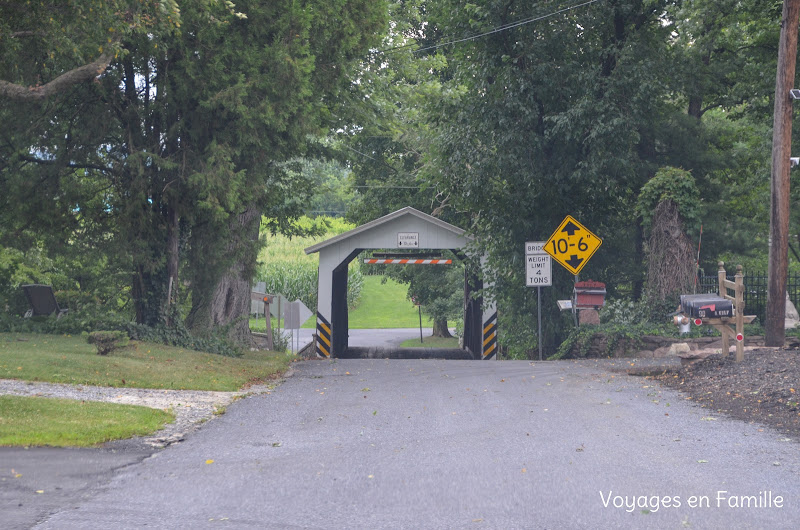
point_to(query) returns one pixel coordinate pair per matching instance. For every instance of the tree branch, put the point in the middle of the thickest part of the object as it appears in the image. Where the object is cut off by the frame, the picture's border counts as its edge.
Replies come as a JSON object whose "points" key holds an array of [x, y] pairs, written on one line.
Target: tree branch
{"points": [[71, 165], [20, 34], [82, 74]]}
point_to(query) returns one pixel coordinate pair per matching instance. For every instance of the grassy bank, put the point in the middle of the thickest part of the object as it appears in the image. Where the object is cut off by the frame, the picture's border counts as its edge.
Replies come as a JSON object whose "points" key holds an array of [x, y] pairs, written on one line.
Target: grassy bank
{"points": [[431, 342], [33, 421], [65, 359]]}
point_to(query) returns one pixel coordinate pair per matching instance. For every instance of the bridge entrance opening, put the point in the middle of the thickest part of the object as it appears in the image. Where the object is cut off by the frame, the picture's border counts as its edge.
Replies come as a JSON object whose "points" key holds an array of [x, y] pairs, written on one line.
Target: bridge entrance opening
{"points": [[402, 233]]}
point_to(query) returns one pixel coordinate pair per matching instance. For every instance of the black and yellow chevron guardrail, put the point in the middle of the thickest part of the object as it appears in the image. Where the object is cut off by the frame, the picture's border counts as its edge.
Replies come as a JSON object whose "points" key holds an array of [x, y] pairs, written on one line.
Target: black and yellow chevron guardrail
{"points": [[323, 337], [490, 337]]}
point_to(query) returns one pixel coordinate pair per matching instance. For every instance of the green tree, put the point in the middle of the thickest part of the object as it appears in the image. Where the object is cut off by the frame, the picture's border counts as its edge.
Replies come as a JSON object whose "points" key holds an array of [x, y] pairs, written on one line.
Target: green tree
{"points": [[188, 134], [565, 115]]}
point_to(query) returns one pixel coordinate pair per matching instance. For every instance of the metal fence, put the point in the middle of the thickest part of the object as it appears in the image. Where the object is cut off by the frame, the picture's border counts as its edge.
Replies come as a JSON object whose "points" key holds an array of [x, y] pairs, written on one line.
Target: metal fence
{"points": [[755, 291]]}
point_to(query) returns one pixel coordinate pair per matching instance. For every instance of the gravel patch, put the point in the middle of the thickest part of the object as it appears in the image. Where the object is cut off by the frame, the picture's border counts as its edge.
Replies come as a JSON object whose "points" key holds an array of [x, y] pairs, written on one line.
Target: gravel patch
{"points": [[192, 408]]}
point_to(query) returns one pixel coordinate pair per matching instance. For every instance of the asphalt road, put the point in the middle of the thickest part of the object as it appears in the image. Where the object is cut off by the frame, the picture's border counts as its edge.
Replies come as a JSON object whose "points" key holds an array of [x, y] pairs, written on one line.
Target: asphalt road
{"points": [[457, 444], [381, 338]]}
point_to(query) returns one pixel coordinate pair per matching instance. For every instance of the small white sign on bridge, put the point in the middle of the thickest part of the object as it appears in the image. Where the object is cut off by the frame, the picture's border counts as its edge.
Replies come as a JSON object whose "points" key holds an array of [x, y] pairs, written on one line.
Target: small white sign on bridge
{"points": [[408, 240]]}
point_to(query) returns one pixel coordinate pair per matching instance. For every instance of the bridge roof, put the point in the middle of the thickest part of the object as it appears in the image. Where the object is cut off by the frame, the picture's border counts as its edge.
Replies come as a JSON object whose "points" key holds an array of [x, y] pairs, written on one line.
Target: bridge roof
{"points": [[383, 226]]}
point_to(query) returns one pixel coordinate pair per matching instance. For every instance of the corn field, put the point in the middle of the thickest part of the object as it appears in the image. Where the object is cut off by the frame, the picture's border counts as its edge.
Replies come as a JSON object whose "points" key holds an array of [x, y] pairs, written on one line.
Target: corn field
{"points": [[288, 270], [299, 280]]}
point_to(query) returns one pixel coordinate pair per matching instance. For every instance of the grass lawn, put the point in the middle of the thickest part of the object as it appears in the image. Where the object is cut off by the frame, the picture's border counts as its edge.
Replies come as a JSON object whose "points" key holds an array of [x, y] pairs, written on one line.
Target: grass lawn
{"points": [[431, 342], [34, 421], [260, 325], [385, 306], [381, 306], [65, 359]]}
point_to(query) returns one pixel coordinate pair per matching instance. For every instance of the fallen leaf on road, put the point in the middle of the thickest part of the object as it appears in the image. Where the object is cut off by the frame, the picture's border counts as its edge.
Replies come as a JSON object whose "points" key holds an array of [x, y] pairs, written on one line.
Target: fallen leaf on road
{"points": [[209, 461]]}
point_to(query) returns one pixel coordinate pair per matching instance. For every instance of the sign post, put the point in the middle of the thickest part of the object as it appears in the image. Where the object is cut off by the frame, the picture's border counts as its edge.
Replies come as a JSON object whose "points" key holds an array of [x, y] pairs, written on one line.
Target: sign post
{"points": [[419, 308], [539, 273]]}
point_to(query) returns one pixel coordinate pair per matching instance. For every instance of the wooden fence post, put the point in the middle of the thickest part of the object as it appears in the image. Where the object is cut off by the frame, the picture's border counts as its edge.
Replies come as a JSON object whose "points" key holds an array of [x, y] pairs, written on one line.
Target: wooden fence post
{"points": [[738, 305]]}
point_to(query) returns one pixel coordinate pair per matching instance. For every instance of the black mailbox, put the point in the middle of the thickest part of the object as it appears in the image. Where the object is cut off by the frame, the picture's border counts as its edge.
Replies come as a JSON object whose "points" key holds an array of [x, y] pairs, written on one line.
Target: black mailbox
{"points": [[706, 306]]}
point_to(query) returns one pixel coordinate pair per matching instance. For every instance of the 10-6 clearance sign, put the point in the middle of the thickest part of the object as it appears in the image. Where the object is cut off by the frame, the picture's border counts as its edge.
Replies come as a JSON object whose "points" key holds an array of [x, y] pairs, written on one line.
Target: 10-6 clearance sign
{"points": [[572, 244]]}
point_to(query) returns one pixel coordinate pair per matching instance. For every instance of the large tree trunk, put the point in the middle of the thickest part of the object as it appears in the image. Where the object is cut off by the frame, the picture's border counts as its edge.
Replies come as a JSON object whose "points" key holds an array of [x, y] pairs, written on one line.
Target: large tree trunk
{"points": [[440, 328], [671, 266], [225, 300]]}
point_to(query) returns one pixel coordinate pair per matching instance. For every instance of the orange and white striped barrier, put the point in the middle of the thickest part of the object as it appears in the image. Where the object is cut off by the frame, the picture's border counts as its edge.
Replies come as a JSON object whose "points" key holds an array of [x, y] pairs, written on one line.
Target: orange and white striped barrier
{"points": [[406, 261]]}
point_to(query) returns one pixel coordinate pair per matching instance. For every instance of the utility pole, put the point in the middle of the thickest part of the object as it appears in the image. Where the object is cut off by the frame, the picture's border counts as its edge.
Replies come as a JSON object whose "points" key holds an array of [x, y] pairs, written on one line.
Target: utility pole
{"points": [[775, 333]]}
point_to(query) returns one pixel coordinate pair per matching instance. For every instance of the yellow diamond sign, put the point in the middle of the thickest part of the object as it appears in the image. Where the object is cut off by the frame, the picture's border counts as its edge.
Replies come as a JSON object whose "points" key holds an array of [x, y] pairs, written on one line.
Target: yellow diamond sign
{"points": [[572, 245]]}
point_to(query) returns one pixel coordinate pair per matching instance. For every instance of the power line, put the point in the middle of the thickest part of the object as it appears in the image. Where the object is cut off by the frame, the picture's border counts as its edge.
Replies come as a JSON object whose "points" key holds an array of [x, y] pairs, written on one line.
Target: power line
{"points": [[493, 31], [359, 152], [390, 187]]}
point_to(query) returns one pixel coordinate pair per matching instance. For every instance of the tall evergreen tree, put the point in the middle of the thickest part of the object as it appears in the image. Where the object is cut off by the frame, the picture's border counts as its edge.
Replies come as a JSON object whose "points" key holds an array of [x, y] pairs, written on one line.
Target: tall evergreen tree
{"points": [[188, 130]]}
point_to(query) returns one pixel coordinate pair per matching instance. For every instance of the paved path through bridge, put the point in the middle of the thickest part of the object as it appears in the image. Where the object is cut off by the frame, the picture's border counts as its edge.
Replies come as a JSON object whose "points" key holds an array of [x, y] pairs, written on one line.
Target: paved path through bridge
{"points": [[465, 444]]}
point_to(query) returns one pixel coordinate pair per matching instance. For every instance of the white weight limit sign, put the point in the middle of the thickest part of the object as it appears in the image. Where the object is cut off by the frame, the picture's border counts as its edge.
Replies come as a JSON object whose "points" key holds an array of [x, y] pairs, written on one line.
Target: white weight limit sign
{"points": [[538, 270]]}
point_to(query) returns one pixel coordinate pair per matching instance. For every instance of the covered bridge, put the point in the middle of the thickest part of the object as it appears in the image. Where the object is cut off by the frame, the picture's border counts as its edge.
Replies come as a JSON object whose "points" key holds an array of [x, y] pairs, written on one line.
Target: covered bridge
{"points": [[406, 229]]}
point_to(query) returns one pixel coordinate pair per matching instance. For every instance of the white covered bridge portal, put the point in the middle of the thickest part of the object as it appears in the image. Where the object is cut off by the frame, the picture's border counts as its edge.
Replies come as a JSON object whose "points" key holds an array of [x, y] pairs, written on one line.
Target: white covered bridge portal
{"points": [[405, 229]]}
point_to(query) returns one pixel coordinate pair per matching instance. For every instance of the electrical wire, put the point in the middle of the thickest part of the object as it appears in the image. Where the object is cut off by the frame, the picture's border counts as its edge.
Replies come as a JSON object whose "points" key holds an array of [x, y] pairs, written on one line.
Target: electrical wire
{"points": [[493, 31]]}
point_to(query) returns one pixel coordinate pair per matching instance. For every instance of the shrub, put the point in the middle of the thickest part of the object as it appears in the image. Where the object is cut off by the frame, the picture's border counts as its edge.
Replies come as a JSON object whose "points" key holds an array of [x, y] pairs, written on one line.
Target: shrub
{"points": [[646, 311], [94, 318], [620, 312], [178, 335], [88, 319], [107, 341], [579, 342], [280, 342]]}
